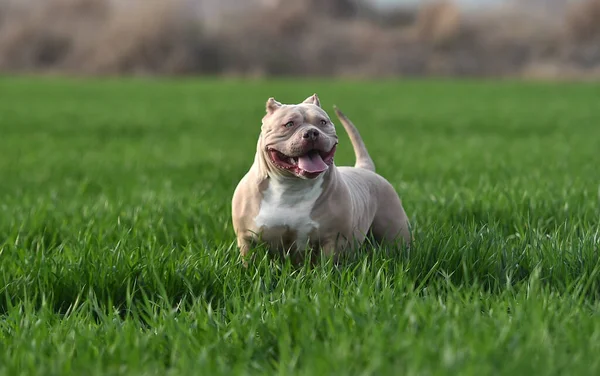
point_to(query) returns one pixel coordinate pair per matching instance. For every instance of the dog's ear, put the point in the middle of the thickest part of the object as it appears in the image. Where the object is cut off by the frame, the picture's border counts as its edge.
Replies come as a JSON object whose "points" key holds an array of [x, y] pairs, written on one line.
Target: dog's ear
{"points": [[272, 105], [313, 99]]}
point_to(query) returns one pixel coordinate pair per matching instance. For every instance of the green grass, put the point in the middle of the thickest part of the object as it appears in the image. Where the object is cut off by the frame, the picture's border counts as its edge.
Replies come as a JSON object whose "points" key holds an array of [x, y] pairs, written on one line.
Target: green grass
{"points": [[117, 252]]}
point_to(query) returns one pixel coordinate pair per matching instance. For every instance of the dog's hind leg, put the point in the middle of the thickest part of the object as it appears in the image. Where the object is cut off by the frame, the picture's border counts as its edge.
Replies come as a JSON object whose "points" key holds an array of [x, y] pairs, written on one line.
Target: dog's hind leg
{"points": [[391, 224]]}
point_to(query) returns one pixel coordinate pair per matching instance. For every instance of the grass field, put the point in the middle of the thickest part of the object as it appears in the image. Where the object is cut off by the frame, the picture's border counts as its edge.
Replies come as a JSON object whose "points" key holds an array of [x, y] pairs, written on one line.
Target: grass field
{"points": [[117, 256]]}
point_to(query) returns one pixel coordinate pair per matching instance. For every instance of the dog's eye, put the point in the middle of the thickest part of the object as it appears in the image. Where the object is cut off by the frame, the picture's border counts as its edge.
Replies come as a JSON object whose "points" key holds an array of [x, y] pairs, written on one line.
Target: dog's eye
{"points": [[289, 124], [323, 122]]}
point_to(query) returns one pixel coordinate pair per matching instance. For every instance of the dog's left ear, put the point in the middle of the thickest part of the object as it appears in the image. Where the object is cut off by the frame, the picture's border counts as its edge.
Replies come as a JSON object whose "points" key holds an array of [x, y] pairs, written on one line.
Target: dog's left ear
{"points": [[272, 105], [313, 99]]}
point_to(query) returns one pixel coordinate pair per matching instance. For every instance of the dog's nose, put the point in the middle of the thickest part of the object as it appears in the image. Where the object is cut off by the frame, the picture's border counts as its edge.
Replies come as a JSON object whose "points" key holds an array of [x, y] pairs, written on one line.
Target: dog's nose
{"points": [[311, 134]]}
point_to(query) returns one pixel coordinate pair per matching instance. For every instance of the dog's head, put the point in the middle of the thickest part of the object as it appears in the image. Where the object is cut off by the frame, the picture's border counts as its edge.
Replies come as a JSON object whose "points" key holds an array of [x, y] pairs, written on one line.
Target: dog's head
{"points": [[298, 140]]}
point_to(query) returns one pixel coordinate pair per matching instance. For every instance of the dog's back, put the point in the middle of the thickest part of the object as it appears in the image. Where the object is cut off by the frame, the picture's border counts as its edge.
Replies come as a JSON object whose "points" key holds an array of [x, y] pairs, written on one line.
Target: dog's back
{"points": [[366, 186]]}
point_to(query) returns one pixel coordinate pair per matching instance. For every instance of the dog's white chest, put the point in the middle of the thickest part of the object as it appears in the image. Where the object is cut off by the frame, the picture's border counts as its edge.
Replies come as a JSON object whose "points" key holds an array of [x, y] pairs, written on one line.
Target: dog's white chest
{"points": [[289, 203]]}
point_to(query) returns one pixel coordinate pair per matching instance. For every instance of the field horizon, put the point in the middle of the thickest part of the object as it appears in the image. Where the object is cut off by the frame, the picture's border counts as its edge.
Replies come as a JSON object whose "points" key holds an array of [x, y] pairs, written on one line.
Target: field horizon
{"points": [[117, 254]]}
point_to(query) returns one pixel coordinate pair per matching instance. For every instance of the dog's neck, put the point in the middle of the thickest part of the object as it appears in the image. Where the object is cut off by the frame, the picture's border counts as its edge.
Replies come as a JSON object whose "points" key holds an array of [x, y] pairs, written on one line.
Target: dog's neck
{"points": [[296, 185], [260, 161]]}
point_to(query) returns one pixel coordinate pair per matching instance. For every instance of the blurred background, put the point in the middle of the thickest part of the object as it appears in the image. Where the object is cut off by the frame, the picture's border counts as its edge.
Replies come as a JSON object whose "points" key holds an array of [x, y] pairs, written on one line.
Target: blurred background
{"points": [[261, 38]]}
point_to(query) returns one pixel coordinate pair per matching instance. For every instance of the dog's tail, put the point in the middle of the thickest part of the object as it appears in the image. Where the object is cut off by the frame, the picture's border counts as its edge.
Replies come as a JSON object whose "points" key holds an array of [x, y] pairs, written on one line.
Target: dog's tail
{"points": [[363, 159]]}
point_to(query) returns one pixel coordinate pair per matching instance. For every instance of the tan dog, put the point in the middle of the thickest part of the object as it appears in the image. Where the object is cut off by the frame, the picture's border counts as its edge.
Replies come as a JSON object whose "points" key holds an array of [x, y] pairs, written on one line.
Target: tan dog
{"points": [[294, 196]]}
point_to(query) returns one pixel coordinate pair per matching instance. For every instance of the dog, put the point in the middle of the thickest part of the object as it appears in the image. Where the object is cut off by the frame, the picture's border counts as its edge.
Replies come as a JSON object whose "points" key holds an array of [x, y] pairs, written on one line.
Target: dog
{"points": [[295, 199]]}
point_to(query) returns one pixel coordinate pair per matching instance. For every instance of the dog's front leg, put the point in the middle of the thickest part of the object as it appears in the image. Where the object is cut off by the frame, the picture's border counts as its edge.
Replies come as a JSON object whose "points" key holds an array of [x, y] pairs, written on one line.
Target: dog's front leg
{"points": [[333, 247], [244, 245]]}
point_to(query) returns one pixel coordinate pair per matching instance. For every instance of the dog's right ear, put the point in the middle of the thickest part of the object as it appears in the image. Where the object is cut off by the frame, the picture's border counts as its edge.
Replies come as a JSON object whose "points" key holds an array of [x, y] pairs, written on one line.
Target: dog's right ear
{"points": [[272, 105]]}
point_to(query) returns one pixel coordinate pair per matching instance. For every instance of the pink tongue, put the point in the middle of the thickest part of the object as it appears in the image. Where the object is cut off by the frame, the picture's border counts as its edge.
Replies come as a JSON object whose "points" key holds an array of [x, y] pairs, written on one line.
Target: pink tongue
{"points": [[312, 162]]}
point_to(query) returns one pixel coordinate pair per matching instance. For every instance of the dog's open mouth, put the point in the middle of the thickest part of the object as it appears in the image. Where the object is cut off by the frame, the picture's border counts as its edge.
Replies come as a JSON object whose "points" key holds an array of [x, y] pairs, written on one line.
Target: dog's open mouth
{"points": [[310, 164]]}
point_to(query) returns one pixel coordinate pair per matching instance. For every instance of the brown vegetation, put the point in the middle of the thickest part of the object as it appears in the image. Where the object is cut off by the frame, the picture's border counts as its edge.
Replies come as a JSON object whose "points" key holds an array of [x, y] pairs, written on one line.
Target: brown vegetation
{"points": [[583, 21], [303, 37]]}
